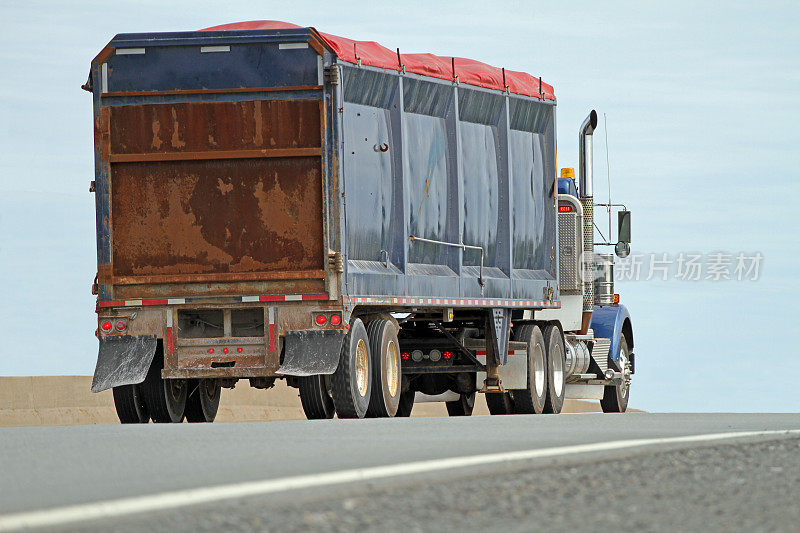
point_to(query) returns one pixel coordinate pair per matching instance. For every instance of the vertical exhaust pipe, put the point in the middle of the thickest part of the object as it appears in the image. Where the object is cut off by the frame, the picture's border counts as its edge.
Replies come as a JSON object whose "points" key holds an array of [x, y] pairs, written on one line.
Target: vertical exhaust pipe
{"points": [[585, 156], [585, 189]]}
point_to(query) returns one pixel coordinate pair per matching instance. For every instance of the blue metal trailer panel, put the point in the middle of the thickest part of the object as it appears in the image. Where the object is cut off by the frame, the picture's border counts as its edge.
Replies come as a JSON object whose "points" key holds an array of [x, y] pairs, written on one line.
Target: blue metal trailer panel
{"points": [[449, 163]]}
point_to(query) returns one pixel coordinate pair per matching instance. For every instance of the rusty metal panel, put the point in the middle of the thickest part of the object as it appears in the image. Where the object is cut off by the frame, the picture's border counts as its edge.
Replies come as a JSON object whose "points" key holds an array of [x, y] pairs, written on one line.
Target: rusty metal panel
{"points": [[215, 126], [217, 216]]}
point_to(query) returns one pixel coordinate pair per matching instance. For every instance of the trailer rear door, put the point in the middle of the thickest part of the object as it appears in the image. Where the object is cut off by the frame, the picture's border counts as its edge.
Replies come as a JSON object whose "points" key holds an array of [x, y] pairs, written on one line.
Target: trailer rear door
{"points": [[208, 191]]}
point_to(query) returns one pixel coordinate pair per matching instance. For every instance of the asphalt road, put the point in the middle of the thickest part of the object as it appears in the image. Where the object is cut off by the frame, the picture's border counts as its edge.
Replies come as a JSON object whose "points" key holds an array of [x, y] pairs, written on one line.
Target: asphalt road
{"points": [[757, 476]]}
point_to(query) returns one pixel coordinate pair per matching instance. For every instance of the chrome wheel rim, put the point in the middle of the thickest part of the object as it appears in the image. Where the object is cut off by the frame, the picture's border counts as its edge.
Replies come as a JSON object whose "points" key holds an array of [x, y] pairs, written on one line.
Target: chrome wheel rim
{"points": [[558, 369], [624, 366], [393, 368], [362, 367], [538, 370]]}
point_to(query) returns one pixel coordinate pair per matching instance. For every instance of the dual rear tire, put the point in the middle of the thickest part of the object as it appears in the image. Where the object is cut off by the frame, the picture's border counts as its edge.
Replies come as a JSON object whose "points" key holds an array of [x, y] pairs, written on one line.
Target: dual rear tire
{"points": [[203, 398], [544, 391], [167, 400], [463, 406], [130, 405], [315, 397], [367, 381]]}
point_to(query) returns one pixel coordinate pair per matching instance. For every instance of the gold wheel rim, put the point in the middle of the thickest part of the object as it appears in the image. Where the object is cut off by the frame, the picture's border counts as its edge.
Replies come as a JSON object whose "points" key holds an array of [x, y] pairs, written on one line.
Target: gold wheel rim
{"points": [[392, 367], [362, 367]]}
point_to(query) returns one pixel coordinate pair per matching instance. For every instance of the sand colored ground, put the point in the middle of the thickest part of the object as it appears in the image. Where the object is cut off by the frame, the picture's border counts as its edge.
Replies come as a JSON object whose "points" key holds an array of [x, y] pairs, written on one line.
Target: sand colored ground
{"points": [[66, 400]]}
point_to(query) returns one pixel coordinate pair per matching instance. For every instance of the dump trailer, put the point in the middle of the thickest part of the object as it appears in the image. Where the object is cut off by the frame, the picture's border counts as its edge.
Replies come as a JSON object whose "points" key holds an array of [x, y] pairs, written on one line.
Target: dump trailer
{"points": [[376, 228]]}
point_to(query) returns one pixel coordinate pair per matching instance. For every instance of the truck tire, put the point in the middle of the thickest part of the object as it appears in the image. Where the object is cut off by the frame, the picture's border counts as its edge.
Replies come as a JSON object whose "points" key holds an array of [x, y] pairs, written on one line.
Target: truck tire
{"points": [[615, 397], [351, 384], [499, 403], [386, 376], [165, 398], [556, 362], [463, 406], [203, 398], [406, 404], [315, 398], [130, 405], [531, 399]]}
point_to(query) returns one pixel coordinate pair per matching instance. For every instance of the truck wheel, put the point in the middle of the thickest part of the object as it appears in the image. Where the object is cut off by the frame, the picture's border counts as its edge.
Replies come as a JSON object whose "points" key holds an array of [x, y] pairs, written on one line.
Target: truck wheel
{"points": [[531, 399], [165, 398], [499, 403], [351, 384], [406, 404], [315, 398], [203, 400], [463, 406], [130, 405], [615, 397], [556, 362], [385, 362]]}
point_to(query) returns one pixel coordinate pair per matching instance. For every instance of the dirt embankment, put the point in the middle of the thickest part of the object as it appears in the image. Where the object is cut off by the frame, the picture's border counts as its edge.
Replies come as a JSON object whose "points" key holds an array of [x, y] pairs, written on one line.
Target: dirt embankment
{"points": [[67, 400]]}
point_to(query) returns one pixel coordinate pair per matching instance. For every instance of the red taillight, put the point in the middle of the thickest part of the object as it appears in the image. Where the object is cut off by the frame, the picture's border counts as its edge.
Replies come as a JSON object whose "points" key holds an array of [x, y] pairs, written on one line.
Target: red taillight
{"points": [[406, 356], [96, 334], [224, 350], [211, 350], [448, 355], [336, 320], [121, 326], [240, 350], [320, 320], [106, 326], [564, 208]]}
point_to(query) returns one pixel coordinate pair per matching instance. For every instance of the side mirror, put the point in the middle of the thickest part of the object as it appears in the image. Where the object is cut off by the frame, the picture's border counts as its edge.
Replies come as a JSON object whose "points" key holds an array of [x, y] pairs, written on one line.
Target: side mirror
{"points": [[624, 226], [623, 247]]}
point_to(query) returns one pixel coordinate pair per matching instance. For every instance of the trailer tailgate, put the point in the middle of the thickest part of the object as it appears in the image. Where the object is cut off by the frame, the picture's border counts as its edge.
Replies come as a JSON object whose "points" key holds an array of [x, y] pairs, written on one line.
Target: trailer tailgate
{"points": [[214, 192]]}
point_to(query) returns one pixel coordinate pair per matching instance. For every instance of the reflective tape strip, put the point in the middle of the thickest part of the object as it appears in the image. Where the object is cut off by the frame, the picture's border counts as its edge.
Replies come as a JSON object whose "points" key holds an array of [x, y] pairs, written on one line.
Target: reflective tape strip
{"points": [[459, 302], [169, 330], [128, 51], [208, 49], [271, 315], [245, 299], [155, 302], [292, 46]]}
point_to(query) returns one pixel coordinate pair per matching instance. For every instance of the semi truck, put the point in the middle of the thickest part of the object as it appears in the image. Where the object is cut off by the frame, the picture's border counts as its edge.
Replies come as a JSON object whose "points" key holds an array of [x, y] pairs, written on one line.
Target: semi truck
{"points": [[375, 228]]}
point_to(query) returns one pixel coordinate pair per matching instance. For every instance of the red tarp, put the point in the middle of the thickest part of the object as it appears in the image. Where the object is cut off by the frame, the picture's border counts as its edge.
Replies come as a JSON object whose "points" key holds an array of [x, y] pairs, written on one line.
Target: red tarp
{"points": [[373, 54]]}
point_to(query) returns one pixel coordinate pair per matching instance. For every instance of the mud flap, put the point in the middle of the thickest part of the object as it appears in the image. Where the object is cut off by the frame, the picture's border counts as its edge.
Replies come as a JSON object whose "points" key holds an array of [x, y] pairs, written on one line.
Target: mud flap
{"points": [[123, 360], [308, 353]]}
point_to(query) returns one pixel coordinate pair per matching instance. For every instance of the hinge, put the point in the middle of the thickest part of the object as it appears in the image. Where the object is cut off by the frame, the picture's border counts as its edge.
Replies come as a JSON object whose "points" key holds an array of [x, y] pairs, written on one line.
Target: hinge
{"points": [[548, 293], [335, 261], [92, 186], [332, 75]]}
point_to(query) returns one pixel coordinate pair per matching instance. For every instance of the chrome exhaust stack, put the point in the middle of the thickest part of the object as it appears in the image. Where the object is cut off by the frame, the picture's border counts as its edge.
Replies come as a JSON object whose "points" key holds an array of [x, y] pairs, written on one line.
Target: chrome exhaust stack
{"points": [[585, 192], [585, 164]]}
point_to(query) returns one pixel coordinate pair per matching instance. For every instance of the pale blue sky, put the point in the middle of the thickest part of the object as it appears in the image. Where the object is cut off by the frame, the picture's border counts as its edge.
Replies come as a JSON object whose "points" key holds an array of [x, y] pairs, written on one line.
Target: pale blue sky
{"points": [[702, 105]]}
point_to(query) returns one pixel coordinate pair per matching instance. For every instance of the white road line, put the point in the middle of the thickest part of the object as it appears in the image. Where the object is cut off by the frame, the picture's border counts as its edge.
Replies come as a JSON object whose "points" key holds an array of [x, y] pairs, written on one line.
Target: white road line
{"points": [[183, 498]]}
